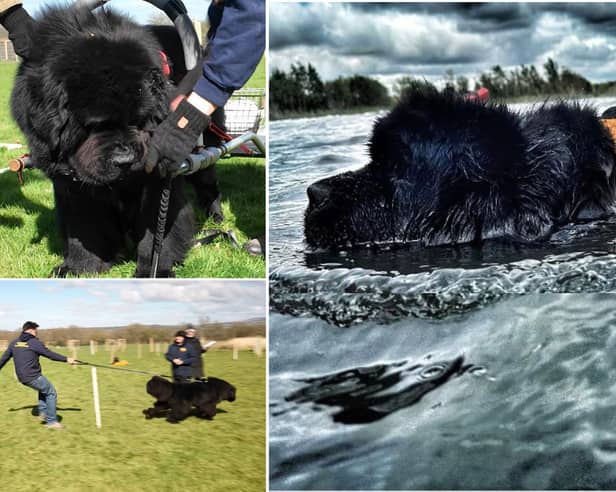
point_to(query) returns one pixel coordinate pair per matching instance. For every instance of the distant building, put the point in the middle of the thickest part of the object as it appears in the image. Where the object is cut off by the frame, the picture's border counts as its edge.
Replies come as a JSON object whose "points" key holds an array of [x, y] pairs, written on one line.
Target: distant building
{"points": [[7, 53]]}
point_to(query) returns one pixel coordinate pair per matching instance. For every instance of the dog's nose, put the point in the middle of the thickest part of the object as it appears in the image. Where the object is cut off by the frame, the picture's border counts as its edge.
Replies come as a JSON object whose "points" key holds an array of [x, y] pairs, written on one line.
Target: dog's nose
{"points": [[317, 193]]}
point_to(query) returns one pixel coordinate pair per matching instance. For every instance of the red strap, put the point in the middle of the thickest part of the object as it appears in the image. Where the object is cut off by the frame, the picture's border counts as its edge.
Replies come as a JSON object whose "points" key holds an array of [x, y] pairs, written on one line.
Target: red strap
{"points": [[165, 63], [226, 137]]}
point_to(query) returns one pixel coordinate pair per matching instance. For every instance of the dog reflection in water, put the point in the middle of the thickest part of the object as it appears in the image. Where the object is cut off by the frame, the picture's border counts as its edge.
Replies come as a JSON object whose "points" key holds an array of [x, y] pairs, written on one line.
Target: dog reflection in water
{"points": [[370, 393]]}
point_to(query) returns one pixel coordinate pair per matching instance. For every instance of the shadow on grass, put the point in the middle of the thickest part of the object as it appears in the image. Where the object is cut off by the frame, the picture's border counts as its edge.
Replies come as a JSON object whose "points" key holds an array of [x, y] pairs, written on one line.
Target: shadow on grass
{"points": [[35, 413], [243, 185], [34, 409], [12, 195], [193, 413]]}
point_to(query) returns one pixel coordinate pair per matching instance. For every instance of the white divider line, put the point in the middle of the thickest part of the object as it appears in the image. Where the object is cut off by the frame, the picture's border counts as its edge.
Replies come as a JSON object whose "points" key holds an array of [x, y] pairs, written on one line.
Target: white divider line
{"points": [[97, 408]]}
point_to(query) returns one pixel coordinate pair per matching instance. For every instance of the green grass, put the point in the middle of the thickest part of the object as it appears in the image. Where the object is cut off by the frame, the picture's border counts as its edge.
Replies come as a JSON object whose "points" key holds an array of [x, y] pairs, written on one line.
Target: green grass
{"points": [[257, 81], [130, 453], [29, 236]]}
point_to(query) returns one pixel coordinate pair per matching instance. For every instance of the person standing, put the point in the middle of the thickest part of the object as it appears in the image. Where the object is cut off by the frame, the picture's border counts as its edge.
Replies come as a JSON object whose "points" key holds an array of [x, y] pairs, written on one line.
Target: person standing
{"points": [[182, 358], [25, 351], [193, 342]]}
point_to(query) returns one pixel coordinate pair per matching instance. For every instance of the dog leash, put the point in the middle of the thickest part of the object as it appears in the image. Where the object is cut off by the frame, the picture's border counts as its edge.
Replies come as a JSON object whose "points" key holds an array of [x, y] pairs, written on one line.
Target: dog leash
{"points": [[83, 363]]}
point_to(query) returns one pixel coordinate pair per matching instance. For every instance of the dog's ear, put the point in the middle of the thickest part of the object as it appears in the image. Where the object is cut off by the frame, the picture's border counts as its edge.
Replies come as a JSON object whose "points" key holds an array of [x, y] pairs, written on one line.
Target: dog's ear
{"points": [[42, 108]]}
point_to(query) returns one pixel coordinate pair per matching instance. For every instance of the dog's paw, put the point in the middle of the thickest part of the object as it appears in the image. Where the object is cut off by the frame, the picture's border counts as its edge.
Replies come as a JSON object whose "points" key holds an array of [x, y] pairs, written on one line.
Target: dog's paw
{"points": [[60, 271], [215, 211]]}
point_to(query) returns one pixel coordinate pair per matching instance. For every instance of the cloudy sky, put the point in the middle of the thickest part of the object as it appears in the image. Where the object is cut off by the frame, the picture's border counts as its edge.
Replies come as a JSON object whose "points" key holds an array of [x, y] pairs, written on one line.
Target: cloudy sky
{"points": [[387, 41], [91, 303]]}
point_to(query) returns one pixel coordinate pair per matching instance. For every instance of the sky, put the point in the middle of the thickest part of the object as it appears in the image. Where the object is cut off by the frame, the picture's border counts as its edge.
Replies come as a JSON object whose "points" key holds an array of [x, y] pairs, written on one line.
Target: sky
{"points": [[387, 41], [139, 10], [92, 303]]}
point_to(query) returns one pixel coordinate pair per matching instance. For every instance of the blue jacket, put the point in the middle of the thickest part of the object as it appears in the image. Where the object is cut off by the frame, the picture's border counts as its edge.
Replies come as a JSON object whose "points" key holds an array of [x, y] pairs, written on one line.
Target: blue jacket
{"points": [[236, 45], [188, 356], [25, 351]]}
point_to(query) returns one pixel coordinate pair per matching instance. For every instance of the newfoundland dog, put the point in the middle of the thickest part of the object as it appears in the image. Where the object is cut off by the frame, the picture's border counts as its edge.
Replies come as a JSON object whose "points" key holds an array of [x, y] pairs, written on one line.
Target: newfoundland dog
{"points": [[87, 99], [176, 400], [445, 170]]}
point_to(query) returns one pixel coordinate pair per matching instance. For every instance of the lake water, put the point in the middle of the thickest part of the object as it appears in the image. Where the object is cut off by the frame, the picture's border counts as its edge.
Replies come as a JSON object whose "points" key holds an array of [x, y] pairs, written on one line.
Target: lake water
{"points": [[535, 408], [426, 368]]}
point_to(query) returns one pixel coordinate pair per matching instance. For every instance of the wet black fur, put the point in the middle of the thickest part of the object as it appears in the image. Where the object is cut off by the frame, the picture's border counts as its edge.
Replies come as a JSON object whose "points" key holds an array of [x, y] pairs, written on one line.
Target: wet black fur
{"points": [[87, 99], [176, 400], [444, 170]]}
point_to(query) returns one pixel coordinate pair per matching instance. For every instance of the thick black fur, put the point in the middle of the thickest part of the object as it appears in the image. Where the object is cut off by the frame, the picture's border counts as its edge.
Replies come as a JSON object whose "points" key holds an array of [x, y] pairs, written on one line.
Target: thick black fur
{"points": [[87, 99], [176, 400], [445, 170]]}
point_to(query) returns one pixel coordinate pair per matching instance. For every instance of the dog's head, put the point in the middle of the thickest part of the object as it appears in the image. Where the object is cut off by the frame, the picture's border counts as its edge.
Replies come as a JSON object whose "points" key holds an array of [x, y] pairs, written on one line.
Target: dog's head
{"points": [[224, 390], [102, 92], [159, 388], [348, 209]]}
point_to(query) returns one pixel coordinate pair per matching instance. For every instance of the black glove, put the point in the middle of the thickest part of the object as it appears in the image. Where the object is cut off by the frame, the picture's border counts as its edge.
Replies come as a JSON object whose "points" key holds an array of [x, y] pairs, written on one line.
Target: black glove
{"points": [[19, 25], [174, 138]]}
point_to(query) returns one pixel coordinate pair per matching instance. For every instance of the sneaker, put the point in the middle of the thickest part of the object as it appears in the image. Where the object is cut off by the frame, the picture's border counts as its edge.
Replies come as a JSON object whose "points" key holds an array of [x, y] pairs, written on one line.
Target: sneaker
{"points": [[43, 418], [55, 425]]}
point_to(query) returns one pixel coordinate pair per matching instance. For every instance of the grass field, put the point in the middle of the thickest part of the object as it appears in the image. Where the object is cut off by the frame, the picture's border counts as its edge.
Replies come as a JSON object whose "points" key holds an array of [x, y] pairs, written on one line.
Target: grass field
{"points": [[130, 453], [29, 236]]}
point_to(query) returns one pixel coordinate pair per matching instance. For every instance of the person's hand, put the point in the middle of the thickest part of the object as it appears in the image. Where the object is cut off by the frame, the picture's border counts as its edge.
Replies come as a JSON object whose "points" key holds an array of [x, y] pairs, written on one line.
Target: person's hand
{"points": [[178, 362], [70, 360], [175, 137]]}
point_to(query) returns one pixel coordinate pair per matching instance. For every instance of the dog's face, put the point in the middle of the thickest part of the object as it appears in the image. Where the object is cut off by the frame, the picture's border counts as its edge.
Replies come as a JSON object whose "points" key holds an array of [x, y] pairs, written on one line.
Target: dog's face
{"points": [[159, 388], [349, 209], [111, 94], [230, 393]]}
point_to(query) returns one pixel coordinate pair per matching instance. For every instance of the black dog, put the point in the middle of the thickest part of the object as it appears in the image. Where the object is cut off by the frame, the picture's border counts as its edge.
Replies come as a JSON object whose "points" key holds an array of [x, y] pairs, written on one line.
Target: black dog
{"points": [[180, 398], [87, 99], [445, 170]]}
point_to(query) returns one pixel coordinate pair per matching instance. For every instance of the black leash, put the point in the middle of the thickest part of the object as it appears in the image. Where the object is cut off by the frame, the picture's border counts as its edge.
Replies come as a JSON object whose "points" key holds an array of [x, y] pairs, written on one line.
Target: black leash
{"points": [[159, 235], [80, 362]]}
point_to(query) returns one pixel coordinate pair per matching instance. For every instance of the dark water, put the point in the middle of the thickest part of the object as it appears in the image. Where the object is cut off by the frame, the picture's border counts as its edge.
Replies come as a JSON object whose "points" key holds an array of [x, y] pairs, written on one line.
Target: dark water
{"points": [[532, 404], [434, 368]]}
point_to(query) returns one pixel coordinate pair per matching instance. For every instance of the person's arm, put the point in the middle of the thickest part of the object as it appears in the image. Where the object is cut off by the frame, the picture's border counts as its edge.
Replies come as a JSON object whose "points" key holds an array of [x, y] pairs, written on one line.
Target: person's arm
{"points": [[168, 355], [19, 25], [8, 353], [235, 49], [37, 346]]}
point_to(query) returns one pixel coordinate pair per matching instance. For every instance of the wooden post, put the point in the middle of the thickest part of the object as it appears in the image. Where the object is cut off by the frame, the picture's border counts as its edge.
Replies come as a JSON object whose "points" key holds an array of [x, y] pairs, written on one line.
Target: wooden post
{"points": [[258, 347], [235, 352], [151, 344], [157, 349], [97, 408], [138, 350], [92, 347]]}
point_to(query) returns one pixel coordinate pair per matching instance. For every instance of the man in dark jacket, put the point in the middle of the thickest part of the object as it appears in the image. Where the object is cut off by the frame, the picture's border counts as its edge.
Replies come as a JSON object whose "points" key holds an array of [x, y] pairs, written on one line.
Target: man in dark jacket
{"points": [[182, 359], [195, 345], [25, 352]]}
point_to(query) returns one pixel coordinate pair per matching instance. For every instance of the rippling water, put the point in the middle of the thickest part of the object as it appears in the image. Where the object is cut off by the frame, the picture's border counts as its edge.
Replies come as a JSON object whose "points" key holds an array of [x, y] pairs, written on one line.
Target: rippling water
{"points": [[426, 368], [534, 408]]}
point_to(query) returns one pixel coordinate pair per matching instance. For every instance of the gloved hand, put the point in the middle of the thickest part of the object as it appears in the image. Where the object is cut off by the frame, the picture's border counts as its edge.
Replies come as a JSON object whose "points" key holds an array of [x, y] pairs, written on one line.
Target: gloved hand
{"points": [[174, 138]]}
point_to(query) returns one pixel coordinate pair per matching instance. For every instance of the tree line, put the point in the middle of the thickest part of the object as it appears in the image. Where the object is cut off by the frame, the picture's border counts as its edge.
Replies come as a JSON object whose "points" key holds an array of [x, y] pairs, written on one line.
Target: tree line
{"points": [[301, 90], [138, 333]]}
